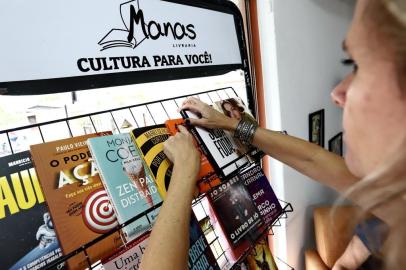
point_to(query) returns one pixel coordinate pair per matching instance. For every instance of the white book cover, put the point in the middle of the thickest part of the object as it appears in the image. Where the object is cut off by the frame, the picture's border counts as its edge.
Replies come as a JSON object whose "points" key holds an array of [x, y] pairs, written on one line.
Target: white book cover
{"points": [[221, 147]]}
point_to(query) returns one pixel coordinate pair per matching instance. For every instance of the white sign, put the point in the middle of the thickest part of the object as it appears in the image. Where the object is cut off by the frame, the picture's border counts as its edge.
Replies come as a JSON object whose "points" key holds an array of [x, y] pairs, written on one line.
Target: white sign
{"points": [[55, 39]]}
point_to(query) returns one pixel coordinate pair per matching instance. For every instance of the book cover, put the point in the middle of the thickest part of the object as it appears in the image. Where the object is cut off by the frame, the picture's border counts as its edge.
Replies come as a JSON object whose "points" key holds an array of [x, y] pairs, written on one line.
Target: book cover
{"points": [[150, 141], [235, 210], [226, 254], [261, 257], [200, 254], [79, 206], [128, 182], [235, 108], [128, 257], [207, 177], [219, 147], [262, 194], [28, 240]]}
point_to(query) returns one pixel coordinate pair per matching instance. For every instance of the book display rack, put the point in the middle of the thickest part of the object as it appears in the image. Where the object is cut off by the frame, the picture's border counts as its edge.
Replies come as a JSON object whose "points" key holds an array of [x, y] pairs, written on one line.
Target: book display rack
{"points": [[134, 42], [167, 105]]}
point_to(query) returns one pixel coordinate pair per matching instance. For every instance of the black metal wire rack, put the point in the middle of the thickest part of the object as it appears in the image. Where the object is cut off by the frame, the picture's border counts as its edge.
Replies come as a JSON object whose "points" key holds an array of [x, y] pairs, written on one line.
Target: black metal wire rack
{"points": [[150, 113]]}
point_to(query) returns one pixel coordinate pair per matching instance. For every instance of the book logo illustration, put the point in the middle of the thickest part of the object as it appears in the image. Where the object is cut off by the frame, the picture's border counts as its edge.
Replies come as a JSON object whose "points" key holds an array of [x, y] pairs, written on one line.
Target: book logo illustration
{"points": [[136, 29], [98, 213]]}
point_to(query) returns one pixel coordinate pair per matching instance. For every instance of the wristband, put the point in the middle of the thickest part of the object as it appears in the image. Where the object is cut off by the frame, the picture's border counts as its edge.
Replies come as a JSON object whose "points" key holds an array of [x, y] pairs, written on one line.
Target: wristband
{"points": [[245, 131]]}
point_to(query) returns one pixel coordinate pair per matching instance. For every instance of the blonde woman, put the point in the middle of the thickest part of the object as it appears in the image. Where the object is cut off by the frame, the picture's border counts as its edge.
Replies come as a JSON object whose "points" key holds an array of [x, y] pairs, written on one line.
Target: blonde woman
{"points": [[373, 174]]}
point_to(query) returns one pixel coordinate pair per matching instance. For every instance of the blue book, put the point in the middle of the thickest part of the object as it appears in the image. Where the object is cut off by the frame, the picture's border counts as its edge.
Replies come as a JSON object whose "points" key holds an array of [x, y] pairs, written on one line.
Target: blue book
{"points": [[126, 178]]}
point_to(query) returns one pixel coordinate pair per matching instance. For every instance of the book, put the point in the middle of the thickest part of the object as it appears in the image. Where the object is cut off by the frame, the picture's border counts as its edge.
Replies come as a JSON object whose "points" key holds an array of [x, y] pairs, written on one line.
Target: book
{"points": [[219, 147], [127, 180], [235, 210], [235, 108], [200, 254], [226, 254], [79, 206], [207, 177], [261, 257], [129, 256], [262, 194], [150, 141], [28, 240]]}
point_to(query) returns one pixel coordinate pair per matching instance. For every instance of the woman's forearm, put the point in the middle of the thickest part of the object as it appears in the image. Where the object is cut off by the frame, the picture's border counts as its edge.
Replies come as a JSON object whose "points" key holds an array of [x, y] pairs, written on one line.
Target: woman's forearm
{"points": [[172, 226], [307, 158], [301, 155]]}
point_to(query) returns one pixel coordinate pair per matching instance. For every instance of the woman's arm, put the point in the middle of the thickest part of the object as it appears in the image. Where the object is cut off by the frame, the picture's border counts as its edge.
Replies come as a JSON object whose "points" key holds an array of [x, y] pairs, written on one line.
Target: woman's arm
{"points": [[305, 157], [168, 245]]}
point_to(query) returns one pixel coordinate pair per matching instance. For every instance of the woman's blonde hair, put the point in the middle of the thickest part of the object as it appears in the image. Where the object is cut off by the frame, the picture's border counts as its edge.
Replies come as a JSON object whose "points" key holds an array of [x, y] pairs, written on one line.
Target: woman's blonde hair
{"points": [[384, 190]]}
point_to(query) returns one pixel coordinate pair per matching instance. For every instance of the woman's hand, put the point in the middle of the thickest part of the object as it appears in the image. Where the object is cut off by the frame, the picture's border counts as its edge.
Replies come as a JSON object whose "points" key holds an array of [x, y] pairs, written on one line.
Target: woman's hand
{"points": [[182, 152], [210, 118]]}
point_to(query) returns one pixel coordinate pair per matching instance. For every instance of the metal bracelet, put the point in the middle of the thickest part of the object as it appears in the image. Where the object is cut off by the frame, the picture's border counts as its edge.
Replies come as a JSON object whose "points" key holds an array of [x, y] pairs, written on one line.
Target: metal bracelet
{"points": [[245, 131]]}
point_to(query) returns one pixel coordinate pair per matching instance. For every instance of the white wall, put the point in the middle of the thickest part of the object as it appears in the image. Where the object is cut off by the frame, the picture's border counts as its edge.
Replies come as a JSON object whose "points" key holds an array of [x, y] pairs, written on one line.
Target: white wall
{"points": [[301, 53]]}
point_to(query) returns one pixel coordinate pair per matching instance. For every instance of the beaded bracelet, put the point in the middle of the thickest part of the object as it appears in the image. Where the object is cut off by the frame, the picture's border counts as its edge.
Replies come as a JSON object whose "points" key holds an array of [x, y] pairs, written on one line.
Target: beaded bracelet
{"points": [[245, 131]]}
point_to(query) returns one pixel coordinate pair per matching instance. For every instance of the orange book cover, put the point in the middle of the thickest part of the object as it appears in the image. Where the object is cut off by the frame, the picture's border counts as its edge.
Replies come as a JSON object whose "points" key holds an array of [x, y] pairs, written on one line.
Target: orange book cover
{"points": [[79, 206], [207, 175]]}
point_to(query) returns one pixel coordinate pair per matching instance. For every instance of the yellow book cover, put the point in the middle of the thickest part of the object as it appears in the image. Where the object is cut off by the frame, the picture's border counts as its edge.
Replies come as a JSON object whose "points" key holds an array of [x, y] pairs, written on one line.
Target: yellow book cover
{"points": [[150, 141], [261, 257]]}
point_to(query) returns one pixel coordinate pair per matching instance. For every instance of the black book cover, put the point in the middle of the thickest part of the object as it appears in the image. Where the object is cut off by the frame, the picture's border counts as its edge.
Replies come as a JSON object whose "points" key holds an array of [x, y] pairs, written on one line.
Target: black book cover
{"points": [[27, 239], [236, 211], [219, 147], [200, 254]]}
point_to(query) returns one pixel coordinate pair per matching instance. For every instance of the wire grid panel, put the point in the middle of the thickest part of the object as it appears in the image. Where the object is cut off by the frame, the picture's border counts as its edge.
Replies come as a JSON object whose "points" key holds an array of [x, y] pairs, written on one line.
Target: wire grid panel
{"points": [[200, 210], [122, 120], [83, 249], [117, 120]]}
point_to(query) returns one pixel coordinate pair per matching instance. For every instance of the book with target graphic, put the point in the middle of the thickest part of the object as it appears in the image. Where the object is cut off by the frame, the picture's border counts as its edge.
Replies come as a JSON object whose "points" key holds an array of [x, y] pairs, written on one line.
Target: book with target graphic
{"points": [[150, 141], [127, 180], [79, 206], [207, 177]]}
